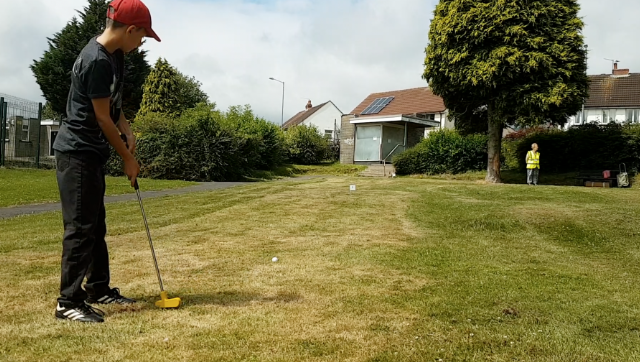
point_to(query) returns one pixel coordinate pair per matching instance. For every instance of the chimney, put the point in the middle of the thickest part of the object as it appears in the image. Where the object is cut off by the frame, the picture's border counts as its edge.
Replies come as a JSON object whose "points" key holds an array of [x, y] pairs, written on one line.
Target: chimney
{"points": [[619, 72], [308, 106]]}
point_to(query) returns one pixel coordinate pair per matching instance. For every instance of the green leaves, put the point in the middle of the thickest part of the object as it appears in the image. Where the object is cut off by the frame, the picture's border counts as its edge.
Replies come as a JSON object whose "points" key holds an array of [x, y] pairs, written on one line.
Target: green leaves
{"points": [[204, 144], [167, 91], [444, 151], [160, 91], [305, 145]]}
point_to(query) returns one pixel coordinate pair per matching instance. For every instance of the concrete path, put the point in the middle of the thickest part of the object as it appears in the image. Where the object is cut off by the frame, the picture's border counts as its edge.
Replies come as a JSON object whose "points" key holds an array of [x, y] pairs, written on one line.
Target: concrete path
{"points": [[9, 212]]}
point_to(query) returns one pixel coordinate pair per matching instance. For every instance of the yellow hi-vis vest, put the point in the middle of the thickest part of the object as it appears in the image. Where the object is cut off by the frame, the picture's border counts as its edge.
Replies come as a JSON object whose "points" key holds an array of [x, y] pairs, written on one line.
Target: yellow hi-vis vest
{"points": [[533, 160]]}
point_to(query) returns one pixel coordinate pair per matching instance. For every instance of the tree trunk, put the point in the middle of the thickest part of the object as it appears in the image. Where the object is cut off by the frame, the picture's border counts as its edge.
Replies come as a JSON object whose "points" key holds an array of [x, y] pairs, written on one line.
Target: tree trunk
{"points": [[494, 148]]}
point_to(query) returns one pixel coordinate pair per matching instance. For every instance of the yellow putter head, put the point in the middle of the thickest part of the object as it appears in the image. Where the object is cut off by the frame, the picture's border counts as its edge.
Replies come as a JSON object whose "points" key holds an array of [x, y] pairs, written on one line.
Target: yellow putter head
{"points": [[165, 302]]}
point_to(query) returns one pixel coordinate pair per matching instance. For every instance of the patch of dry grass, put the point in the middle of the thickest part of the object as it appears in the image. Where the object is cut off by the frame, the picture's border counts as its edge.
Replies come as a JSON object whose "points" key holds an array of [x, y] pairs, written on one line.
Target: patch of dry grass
{"points": [[238, 305]]}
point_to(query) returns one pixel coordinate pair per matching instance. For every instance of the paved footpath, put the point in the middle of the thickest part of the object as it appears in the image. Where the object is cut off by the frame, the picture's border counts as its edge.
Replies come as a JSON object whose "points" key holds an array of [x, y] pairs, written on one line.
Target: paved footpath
{"points": [[9, 212]]}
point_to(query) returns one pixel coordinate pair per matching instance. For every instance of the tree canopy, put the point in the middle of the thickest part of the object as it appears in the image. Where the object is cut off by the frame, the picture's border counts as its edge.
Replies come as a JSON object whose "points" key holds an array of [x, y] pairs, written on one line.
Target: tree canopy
{"points": [[525, 62], [52, 71]]}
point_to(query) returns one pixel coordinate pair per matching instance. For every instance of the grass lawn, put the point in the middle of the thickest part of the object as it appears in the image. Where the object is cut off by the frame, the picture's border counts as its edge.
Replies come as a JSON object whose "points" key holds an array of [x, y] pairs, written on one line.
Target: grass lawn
{"points": [[32, 186], [403, 269], [324, 169]]}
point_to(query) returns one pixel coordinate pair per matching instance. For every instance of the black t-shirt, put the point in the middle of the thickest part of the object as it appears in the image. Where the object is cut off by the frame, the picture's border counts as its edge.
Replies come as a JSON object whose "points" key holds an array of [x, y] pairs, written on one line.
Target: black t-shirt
{"points": [[96, 74]]}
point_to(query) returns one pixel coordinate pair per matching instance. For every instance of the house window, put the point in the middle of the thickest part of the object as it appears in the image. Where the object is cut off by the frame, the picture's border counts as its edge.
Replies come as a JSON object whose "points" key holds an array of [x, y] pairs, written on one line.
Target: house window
{"points": [[328, 133], [25, 130], [593, 115], [427, 116], [632, 116]]}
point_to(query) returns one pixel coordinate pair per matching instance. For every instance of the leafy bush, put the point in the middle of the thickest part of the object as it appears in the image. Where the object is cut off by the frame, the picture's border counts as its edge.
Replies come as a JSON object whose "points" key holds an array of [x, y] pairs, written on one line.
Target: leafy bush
{"points": [[305, 146], [589, 146], [203, 144], [269, 152], [444, 151]]}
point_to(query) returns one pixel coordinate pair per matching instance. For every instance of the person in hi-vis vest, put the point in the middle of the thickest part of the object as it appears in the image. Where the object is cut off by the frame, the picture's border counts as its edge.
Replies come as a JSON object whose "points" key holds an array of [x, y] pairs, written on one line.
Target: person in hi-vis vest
{"points": [[533, 165]]}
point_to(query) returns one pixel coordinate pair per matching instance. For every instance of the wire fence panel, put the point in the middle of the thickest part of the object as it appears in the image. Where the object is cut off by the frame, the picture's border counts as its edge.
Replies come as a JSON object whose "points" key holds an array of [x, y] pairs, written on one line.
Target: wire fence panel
{"points": [[25, 138]]}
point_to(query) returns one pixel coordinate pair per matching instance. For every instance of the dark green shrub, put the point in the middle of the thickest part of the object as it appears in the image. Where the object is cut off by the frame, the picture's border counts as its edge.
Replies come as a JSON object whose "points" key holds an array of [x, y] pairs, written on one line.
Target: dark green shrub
{"points": [[305, 146], [584, 147], [444, 151], [267, 137], [200, 145], [196, 148]]}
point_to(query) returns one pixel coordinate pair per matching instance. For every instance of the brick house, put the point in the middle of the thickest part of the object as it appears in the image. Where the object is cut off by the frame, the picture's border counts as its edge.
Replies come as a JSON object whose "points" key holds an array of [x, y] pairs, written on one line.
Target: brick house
{"points": [[612, 97], [387, 123], [326, 117]]}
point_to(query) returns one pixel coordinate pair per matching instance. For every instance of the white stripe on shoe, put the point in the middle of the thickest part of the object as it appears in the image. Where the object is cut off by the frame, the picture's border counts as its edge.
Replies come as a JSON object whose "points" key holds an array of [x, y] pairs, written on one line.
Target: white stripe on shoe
{"points": [[75, 315]]}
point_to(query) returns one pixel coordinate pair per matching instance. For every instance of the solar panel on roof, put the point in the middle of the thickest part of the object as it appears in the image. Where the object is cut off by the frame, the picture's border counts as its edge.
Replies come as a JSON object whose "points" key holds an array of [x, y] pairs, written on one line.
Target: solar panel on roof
{"points": [[377, 105]]}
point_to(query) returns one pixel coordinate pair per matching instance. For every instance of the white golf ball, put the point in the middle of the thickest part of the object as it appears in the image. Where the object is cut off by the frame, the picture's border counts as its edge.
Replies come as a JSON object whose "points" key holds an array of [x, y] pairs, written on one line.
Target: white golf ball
{"points": [[275, 258]]}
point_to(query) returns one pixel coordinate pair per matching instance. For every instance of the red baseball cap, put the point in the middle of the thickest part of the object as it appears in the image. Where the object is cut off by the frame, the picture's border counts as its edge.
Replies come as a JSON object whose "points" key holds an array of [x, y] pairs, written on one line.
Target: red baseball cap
{"points": [[132, 12]]}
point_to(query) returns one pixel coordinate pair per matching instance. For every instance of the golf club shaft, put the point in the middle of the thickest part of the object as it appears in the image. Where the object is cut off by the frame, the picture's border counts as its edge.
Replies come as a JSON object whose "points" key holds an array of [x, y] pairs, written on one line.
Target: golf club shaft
{"points": [[144, 216]]}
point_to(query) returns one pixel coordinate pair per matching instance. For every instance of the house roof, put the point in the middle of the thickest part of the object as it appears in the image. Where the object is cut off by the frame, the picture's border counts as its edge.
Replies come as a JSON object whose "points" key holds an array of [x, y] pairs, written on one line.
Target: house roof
{"points": [[302, 116], [607, 91], [405, 102]]}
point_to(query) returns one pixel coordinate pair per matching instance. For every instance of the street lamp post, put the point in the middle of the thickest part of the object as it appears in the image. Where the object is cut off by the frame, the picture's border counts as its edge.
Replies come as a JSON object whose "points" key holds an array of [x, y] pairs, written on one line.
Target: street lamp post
{"points": [[282, 120]]}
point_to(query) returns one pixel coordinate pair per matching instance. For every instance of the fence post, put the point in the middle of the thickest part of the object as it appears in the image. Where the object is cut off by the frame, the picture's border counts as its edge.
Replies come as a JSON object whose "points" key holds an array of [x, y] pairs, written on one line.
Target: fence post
{"points": [[3, 129], [39, 134]]}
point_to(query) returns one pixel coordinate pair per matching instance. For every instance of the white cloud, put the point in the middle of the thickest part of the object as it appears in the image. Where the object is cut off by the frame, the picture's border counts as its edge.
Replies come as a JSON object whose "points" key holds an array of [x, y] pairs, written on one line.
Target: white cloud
{"points": [[323, 50]]}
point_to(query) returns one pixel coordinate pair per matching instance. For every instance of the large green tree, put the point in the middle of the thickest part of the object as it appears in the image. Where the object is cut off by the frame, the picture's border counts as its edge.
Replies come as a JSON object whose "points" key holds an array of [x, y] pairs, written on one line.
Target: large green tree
{"points": [[524, 61], [52, 71], [170, 92]]}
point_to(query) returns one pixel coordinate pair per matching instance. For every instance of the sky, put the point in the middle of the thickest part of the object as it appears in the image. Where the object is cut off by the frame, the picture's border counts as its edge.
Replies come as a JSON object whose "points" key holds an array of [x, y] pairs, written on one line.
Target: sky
{"points": [[337, 50]]}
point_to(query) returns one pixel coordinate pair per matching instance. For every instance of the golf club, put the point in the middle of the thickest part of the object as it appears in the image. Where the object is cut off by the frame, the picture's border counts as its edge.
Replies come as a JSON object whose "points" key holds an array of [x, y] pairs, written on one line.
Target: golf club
{"points": [[164, 301]]}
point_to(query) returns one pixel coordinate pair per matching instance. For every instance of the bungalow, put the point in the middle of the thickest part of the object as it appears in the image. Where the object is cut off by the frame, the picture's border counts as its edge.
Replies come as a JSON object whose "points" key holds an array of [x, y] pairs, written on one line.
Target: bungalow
{"points": [[326, 117], [387, 123], [612, 97]]}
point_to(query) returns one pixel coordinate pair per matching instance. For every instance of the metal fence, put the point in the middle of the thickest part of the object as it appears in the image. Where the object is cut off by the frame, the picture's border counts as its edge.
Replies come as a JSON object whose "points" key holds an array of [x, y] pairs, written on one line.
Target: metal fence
{"points": [[25, 138]]}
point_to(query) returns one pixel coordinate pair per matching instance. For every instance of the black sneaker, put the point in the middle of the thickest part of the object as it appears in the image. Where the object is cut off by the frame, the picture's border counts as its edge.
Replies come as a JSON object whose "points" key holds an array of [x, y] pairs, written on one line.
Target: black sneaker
{"points": [[80, 313], [113, 296]]}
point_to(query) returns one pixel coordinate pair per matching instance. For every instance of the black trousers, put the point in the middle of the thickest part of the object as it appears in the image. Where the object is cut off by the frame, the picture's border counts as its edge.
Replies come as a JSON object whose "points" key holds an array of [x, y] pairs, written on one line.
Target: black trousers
{"points": [[81, 182]]}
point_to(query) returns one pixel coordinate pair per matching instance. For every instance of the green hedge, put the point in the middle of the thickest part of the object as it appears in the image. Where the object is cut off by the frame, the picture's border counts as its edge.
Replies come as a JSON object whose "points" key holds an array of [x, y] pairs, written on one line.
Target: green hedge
{"points": [[268, 151], [444, 151], [584, 147], [205, 144]]}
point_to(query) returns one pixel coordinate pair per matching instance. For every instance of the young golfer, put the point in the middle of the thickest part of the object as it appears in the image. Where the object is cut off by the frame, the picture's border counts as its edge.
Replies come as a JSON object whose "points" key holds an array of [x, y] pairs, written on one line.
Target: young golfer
{"points": [[95, 120]]}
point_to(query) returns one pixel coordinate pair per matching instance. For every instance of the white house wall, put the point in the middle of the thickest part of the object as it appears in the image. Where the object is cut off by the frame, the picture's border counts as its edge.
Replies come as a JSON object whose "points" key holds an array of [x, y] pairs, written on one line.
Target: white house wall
{"points": [[326, 118], [605, 115], [444, 123]]}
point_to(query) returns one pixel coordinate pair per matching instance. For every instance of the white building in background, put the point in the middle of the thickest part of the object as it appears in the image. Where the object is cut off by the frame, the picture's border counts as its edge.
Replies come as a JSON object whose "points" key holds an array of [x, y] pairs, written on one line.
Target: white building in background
{"points": [[326, 117], [613, 97]]}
